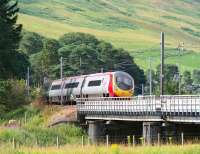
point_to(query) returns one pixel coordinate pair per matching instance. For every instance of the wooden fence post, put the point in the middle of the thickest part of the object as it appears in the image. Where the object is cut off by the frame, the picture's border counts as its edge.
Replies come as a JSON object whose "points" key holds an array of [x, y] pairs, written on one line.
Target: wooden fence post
{"points": [[182, 138], [158, 138], [13, 143], [36, 143], [25, 118], [107, 140], [82, 141], [57, 142], [133, 140], [88, 140], [129, 140]]}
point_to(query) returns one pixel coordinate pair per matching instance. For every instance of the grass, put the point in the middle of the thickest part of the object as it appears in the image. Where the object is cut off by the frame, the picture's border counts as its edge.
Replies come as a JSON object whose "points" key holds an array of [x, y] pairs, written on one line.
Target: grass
{"points": [[188, 60], [133, 25], [192, 32], [35, 129], [114, 149]]}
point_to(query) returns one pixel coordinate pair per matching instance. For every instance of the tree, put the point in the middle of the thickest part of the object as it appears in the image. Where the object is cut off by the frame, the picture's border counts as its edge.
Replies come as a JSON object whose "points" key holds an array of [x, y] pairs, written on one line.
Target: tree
{"points": [[187, 79], [171, 80], [12, 95], [86, 54], [154, 82], [43, 63], [187, 86], [51, 46], [31, 43], [11, 65], [78, 38], [122, 61], [196, 76], [37, 74], [82, 54]]}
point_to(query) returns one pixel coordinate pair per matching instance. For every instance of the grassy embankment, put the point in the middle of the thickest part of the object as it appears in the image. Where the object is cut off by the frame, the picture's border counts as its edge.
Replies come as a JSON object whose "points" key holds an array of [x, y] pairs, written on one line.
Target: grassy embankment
{"points": [[114, 149], [34, 129], [132, 25]]}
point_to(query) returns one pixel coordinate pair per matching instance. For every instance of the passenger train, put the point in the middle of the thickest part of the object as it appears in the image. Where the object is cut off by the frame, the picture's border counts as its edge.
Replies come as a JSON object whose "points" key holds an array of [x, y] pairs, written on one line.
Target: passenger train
{"points": [[109, 84]]}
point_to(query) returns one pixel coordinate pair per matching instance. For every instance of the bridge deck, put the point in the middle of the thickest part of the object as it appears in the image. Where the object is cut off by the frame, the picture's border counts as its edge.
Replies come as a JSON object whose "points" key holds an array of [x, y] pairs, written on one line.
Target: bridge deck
{"points": [[145, 108]]}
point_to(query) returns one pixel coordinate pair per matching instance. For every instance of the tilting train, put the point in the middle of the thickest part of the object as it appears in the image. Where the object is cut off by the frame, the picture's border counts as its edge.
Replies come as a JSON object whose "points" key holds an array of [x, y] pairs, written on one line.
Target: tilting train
{"points": [[109, 84]]}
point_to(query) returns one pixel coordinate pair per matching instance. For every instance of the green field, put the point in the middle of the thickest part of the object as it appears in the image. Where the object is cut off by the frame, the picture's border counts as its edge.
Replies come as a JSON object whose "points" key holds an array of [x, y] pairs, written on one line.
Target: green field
{"points": [[134, 25]]}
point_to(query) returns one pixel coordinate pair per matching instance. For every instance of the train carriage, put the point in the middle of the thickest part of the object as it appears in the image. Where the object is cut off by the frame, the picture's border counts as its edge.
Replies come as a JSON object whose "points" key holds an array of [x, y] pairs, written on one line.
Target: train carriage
{"points": [[109, 84]]}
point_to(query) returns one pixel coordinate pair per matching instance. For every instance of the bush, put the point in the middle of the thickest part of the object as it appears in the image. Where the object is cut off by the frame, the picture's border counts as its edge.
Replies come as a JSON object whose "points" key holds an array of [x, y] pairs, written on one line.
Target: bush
{"points": [[12, 95], [35, 130]]}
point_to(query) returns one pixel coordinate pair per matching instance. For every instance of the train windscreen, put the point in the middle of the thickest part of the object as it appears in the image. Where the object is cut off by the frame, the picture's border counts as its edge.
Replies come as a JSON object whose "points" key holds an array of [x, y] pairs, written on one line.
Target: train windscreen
{"points": [[124, 82]]}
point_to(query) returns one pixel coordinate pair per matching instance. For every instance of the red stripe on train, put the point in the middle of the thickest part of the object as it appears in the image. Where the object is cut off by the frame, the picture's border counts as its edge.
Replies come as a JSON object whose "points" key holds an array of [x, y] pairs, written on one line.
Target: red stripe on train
{"points": [[110, 86]]}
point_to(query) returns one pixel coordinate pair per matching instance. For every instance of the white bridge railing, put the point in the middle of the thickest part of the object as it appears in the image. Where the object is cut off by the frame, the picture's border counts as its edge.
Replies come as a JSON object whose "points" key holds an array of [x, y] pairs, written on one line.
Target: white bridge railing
{"points": [[141, 105]]}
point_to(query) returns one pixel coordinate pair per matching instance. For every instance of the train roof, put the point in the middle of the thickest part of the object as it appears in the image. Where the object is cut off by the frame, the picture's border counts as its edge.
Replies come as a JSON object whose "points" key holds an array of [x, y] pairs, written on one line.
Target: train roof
{"points": [[81, 76]]}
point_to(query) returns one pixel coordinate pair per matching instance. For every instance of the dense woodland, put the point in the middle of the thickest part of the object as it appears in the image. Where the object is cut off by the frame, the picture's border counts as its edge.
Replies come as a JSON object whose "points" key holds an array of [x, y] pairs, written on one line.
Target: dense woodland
{"points": [[82, 53]]}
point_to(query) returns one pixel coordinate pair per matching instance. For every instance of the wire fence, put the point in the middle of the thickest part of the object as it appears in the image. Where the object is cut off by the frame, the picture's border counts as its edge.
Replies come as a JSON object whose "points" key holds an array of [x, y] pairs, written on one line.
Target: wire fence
{"points": [[107, 140], [138, 140]]}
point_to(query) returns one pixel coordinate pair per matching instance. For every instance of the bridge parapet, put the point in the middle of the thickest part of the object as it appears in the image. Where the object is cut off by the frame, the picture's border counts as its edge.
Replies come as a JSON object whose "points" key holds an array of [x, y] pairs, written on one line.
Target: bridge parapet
{"points": [[113, 105], [188, 105], [148, 107]]}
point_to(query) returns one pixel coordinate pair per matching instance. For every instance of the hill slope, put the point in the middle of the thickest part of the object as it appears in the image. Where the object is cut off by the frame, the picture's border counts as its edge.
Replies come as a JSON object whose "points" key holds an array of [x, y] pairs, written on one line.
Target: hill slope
{"points": [[132, 24]]}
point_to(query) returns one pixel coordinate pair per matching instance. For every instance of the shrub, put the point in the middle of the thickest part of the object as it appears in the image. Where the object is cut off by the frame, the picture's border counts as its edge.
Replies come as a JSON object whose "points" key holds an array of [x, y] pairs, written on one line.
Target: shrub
{"points": [[12, 95]]}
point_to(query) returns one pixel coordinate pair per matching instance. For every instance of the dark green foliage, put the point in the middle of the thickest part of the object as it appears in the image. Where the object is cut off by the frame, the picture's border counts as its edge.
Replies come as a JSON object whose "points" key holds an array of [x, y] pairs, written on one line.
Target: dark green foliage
{"points": [[85, 54], [12, 63], [169, 72], [82, 54], [170, 79], [196, 76], [35, 60], [12, 95], [31, 43], [43, 62], [51, 46], [187, 78], [77, 39], [187, 83]]}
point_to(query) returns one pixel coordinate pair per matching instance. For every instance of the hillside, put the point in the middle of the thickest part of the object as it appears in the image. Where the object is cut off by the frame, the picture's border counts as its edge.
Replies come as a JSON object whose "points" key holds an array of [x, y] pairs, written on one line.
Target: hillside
{"points": [[134, 25]]}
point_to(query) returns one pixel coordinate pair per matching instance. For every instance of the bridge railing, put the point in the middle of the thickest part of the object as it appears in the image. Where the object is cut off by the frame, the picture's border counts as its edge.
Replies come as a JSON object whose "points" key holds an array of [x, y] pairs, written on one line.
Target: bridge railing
{"points": [[146, 105], [184, 105]]}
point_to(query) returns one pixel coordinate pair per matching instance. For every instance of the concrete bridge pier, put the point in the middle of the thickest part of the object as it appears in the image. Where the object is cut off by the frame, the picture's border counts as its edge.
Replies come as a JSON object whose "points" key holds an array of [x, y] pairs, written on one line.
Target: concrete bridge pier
{"points": [[96, 130], [151, 131]]}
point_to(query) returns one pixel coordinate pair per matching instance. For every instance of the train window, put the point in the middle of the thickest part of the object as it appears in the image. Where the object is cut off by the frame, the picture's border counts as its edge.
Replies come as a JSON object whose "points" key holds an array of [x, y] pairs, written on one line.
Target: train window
{"points": [[94, 83], [55, 87], [124, 82], [71, 85]]}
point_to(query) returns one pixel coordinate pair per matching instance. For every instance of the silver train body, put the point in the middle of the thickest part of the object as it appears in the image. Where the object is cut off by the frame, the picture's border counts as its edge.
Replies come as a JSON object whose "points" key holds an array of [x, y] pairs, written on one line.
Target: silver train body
{"points": [[110, 84]]}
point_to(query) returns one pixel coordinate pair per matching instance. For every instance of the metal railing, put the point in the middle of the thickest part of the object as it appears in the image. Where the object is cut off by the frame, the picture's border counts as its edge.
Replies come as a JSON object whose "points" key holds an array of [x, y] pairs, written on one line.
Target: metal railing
{"points": [[113, 105], [180, 105], [142, 105]]}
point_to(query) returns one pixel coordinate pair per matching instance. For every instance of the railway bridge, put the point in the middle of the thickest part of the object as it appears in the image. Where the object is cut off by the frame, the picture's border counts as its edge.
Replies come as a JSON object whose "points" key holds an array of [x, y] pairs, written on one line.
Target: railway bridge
{"points": [[145, 115]]}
